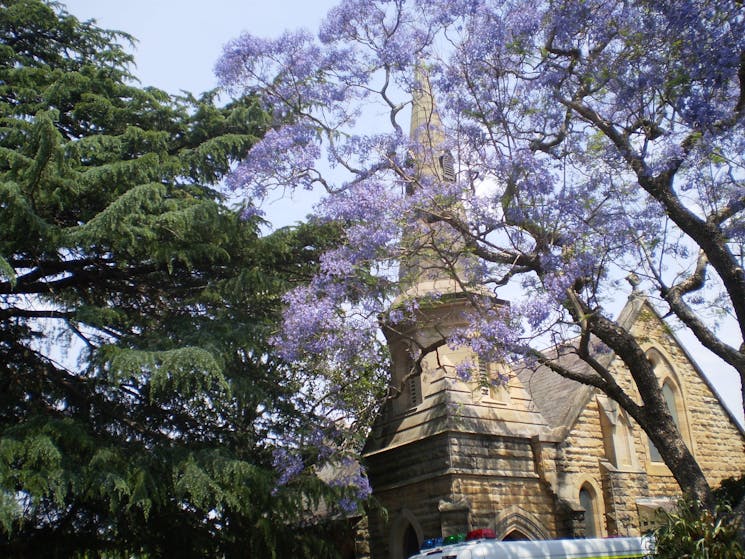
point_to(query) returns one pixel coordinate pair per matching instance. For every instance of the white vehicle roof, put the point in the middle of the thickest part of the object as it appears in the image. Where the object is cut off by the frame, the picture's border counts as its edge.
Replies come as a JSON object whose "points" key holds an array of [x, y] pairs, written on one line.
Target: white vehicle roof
{"points": [[615, 548]]}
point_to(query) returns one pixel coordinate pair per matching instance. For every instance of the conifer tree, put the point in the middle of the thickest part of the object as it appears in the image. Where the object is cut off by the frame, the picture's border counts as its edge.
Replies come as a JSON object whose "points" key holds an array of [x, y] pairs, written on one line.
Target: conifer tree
{"points": [[140, 405]]}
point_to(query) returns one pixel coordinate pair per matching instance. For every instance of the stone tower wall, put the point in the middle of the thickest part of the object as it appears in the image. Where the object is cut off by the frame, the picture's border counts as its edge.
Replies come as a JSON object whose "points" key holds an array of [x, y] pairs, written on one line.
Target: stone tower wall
{"points": [[454, 482]]}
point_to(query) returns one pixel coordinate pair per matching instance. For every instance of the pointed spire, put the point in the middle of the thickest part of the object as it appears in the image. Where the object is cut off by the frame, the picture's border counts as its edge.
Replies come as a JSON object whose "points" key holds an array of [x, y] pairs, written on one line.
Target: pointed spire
{"points": [[426, 126], [427, 132], [428, 243]]}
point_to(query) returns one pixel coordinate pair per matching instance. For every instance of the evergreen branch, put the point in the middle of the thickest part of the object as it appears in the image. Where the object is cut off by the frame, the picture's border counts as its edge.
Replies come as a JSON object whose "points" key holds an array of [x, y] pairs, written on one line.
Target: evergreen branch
{"points": [[14, 312]]}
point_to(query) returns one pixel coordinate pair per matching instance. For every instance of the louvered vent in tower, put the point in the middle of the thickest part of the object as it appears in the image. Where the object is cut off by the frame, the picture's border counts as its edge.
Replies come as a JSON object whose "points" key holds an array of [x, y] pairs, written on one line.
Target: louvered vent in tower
{"points": [[447, 166], [414, 391], [483, 378]]}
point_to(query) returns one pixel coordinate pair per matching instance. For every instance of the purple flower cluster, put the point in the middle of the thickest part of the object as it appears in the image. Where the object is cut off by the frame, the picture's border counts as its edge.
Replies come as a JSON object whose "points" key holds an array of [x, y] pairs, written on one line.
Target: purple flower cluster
{"points": [[323, 439], [317, 330], [284, 66], [350, 478], [285, 156], [492, 333], [387, 31], [464, 370], [288, 464]]}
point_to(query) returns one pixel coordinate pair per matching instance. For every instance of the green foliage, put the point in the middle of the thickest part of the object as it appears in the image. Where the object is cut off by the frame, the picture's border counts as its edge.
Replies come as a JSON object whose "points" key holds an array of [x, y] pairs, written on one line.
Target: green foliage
{"points": [[694, 532], [731, 491], [138, 393]]}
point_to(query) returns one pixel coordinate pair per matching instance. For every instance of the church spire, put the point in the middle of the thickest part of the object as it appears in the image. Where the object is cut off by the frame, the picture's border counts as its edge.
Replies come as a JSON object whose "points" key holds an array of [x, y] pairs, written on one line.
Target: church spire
{"points": [[427, 132], [426, 126], [429, 244]]}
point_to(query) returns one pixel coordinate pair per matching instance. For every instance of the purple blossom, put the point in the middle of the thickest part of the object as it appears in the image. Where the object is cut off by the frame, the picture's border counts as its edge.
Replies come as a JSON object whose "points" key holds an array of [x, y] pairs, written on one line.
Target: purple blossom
{"points": [[536, 310], [492, 332], [251, 62], [288, 464], [395, 316], [464, 370], [370, 22], [317, 330], [284, 157], [324, 439], [348, 506], [350, 478]]}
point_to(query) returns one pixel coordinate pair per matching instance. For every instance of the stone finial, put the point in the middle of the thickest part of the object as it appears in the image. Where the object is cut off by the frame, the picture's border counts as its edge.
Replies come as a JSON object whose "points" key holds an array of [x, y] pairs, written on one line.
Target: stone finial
{"points": [[633, 280]]}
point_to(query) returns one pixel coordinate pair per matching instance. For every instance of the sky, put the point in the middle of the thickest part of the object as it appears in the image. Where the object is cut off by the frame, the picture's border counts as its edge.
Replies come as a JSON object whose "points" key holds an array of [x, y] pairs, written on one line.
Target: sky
{"points": [[179, 42]]}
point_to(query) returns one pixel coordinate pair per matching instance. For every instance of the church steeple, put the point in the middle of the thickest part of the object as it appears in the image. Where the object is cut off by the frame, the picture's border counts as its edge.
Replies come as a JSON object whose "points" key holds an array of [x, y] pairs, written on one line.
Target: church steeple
{"points": [[439, 435], [431, 248], [427, 133]]}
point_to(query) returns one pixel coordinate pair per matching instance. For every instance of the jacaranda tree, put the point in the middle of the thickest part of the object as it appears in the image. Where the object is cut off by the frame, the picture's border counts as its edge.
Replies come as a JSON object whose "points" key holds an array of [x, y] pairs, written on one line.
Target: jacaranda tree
{"points": [[142, 410], [587, 140]]}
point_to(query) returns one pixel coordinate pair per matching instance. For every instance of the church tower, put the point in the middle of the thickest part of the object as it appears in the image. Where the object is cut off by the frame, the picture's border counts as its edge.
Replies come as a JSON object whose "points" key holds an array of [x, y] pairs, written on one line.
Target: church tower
{"points": [[447, 455]]}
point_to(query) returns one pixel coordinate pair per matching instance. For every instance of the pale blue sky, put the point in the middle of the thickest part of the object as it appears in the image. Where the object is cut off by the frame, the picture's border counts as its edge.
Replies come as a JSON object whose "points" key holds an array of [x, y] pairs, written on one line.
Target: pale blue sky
{"points": [[180, 40]]}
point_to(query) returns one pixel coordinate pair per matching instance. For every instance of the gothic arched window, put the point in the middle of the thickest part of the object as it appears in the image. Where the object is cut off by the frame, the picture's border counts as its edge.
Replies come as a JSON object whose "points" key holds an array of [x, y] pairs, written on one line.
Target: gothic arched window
{"points": [[617, 432], [669, 394], [673, 397], [588, 502]]}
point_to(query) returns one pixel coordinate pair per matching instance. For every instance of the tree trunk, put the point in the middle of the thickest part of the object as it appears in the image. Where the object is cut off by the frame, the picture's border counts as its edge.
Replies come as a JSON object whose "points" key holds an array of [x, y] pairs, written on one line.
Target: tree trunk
{"points": [[665, 435]]}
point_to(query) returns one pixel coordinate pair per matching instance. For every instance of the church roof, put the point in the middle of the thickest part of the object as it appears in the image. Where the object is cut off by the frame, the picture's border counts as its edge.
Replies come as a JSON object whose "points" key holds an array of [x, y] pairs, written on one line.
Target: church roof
{"points": [[558, 399]]}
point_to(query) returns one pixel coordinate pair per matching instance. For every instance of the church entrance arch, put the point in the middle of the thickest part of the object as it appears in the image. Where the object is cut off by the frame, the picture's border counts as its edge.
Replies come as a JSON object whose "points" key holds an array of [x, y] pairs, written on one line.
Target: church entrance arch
{"points": [[406, 536], [516, 524], [515, 536], [410, 542]]}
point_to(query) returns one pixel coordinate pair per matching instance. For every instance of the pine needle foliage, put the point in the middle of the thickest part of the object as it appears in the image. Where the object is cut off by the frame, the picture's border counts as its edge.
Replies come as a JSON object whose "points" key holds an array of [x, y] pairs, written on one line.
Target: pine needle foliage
{"points": [[138, 392]]}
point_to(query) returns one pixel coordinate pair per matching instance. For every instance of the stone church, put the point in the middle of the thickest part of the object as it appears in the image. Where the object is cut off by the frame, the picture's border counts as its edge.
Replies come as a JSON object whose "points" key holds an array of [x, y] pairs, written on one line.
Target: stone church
{"points": [[539, 456]]}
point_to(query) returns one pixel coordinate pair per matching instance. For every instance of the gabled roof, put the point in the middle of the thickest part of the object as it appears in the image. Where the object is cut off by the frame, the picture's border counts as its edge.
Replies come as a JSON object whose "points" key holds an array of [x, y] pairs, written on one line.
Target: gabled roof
{"points": [[560, 400]]}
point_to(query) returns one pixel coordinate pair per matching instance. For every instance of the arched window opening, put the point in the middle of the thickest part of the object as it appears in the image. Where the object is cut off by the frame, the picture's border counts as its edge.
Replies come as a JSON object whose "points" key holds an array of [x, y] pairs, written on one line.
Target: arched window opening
{"points": [[617, 435], [484, 379], [514, 536], [673, 396], [414, 390], [587, 502], [405, 536], [406, 378], [447, 166], [410, 543], [491, 383], [669, 395], [624, 448]]}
